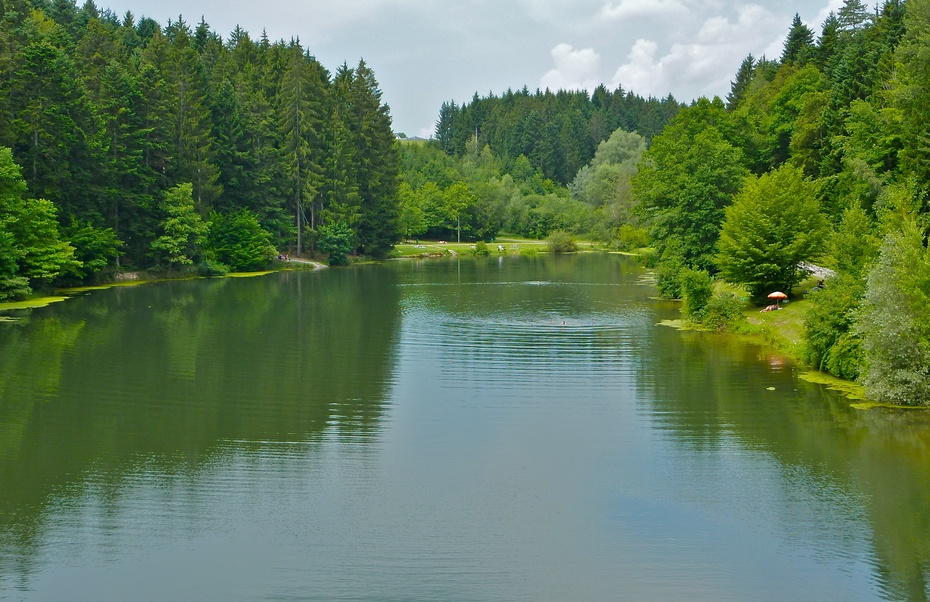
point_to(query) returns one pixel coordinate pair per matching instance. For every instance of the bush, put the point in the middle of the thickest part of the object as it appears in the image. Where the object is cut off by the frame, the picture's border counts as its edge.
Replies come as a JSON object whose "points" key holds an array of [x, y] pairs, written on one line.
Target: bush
{"points": [[238, 241], [630, 238], [723, 312], [696, 291], [668, 276], [337, 241], [211, 267], [829, 343], [481, 248], [561, 242]]}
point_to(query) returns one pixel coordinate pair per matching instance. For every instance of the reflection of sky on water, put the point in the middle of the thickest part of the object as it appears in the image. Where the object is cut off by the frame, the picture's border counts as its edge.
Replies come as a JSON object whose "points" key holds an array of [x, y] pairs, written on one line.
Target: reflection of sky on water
{"points": [[390, 439]]}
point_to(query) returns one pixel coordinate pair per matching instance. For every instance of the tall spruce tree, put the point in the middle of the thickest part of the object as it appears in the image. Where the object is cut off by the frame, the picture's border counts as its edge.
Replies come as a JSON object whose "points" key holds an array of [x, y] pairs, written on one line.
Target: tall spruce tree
{"points": [[191, 136], [741, 83], [377, 164], [300, 106], [799, 46]]}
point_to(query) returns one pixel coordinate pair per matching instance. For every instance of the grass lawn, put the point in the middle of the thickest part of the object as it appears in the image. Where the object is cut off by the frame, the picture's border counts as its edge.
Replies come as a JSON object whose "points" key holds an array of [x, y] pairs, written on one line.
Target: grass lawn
{"points": [[784, 328], [511, 245]]}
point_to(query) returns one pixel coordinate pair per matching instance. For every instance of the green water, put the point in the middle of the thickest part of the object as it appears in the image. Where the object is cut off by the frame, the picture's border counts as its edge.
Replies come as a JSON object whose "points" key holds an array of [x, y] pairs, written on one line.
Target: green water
{"points": [[485, 429]]}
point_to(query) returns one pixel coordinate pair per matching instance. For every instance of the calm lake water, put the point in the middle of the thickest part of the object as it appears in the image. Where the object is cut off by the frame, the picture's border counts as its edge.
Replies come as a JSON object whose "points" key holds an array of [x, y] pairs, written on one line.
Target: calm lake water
{"points": [[478, 429]]}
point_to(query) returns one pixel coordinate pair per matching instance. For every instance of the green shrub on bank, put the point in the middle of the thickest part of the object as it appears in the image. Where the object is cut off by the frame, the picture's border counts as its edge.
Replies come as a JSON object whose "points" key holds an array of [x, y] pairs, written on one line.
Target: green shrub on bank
{"points": [[696, 291], [337, 240], [211, 267], [561, 242], [894, 320], [630, 238], [239, 242], [668, 276], [724, 311], [830, 344]]}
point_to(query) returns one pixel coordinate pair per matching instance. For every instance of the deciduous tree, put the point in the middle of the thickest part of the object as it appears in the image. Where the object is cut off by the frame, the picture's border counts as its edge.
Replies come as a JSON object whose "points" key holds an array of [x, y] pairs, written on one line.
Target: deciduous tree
{"points": [[774, 223], [183, 230], [895, 320]]}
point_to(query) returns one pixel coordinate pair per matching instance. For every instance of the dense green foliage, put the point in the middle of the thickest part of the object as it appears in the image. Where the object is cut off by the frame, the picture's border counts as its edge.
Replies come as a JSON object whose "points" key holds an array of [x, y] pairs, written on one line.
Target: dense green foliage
{"points": [[697, 288], [336, 239], [895, 321], [238, 241], [831, 344], [106, 116], [558, 132], [772, 226], [32, 251], [475, 197]]}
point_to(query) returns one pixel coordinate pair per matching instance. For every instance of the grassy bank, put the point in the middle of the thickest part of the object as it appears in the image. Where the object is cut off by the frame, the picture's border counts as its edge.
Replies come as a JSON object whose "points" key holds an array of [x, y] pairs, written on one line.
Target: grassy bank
{"points": [[136, 279], [783, 330], [504, 245]]}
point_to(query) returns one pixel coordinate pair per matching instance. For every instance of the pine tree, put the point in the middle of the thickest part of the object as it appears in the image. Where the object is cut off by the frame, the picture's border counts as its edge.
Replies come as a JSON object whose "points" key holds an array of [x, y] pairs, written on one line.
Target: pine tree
{"points": [[191, 138], [231, 152], [377, 165], [299, 107], [741, 83], [128, 182], [799, 47], [340, 198], [852, 15], [445, 126]]}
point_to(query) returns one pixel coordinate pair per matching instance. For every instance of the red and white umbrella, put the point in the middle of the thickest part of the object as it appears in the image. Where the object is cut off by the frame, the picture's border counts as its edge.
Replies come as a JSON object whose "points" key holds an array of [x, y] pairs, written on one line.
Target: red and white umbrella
{"points": [[778, 295]]}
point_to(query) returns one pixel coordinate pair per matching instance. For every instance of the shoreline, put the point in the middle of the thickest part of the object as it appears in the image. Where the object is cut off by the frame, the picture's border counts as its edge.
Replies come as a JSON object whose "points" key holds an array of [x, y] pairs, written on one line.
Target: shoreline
{"points": [[129, 279]]}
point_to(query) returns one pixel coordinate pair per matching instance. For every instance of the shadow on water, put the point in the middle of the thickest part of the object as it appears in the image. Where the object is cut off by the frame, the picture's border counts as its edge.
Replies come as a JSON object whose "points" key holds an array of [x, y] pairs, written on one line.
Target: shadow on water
{"points": [[863, 468], [165, 377]]}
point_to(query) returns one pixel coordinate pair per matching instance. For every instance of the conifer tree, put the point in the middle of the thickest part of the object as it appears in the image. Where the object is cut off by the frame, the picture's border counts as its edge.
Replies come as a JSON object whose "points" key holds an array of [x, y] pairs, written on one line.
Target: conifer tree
{"points": [[741, 83], [799, 46], [377, 165], [340, 195], [300, 121], [191, 138]]}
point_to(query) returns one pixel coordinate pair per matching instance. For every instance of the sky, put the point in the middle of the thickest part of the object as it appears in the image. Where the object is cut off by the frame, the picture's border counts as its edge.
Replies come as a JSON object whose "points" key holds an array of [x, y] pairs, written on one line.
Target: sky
{"points": [[426, 52]]}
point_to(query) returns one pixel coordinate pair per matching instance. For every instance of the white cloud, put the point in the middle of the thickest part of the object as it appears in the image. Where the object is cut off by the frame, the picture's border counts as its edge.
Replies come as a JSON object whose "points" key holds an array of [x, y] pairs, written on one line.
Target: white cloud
{"points": [[574, 69], [750, 19], [831, 7], [705, 64], [553, 11], [629, 9], [641, 73]]}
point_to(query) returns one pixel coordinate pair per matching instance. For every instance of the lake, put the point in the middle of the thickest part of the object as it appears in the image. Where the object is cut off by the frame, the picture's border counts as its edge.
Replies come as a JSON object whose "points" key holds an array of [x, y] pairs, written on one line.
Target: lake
{"points": [[501, 428]]}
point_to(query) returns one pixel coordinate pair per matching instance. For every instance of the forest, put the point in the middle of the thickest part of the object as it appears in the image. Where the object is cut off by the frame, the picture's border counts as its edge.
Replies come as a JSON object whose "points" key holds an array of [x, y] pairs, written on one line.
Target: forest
{"points": [[131, 145], [820, 155], [125, 144]]}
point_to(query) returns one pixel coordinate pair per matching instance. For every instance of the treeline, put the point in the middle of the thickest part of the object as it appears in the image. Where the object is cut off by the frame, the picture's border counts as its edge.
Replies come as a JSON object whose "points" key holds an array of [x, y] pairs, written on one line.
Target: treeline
{"points": [[105, 115], [480, 194], [558, 132], [820, 155]]}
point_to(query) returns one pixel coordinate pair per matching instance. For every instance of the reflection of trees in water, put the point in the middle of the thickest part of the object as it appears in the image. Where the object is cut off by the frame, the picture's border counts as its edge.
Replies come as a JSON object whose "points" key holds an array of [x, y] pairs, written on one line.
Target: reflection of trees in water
{"points": [[709, 391], [161, 377]]}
